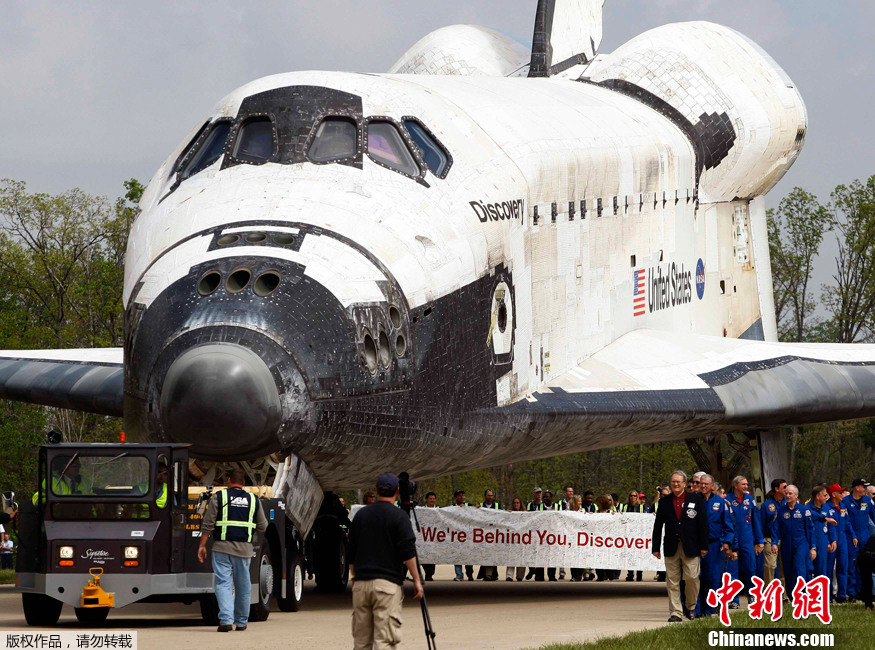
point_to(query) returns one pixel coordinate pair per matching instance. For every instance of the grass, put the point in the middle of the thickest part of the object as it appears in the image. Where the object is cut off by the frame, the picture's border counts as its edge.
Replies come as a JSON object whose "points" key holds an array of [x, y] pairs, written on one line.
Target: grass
{"points": [[852, 625], [7, 576]]}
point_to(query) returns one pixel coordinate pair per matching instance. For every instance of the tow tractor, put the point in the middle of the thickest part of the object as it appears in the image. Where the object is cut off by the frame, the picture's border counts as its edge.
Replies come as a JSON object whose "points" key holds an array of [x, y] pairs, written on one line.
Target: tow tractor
{"points": [[114, 524]]}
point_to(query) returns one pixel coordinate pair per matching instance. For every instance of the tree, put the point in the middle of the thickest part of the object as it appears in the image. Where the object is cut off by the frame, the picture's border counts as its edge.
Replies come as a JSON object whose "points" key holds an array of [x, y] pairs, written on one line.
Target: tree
{"points": [[796, 230], [61, 276], [852, 300]]}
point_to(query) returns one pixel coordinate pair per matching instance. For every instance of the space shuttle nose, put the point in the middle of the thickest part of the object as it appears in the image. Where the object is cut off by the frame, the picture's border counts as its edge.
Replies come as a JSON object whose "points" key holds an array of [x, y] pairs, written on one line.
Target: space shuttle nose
{"points": [[222, 397]]}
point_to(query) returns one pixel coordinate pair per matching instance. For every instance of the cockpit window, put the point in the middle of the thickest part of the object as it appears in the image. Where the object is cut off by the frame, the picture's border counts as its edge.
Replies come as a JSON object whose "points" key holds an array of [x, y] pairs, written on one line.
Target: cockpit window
{"points": [[386, 146], [255, 142], [208, 153], [187, 149], [335, 139], [432, 153]]}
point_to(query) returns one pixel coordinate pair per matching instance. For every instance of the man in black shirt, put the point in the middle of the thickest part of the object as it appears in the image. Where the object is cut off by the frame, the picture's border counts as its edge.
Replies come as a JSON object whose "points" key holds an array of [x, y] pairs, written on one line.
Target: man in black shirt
{"points": [[382, 548]]}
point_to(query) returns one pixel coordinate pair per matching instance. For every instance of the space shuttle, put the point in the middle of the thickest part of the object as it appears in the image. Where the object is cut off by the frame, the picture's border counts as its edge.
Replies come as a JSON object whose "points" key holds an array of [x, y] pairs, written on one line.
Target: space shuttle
{"points": [[489, 254]]}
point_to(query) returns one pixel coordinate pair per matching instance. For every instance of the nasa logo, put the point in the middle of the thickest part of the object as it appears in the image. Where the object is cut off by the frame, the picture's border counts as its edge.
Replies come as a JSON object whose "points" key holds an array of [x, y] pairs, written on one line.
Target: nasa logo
{"points": [[772, 507], [700, 278], [715, 507], [498, 211]]}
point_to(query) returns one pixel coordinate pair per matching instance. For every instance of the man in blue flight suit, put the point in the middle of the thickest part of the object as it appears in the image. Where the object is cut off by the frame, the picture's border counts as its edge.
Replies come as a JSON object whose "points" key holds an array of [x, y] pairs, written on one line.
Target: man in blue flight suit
{"points": [[861, 511], [767, 562], [824, 524], [721, 535], [796, 535], [837, 562], [749, 536]]}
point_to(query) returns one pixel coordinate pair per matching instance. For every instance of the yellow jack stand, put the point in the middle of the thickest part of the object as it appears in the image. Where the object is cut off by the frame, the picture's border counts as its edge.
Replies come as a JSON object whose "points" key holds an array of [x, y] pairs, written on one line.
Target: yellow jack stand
{"points": [[93, 594]]}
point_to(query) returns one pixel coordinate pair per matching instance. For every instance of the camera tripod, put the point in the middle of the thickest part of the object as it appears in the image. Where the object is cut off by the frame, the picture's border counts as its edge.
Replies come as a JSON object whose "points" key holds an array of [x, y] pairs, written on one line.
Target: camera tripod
{"points": [[406, 486]]}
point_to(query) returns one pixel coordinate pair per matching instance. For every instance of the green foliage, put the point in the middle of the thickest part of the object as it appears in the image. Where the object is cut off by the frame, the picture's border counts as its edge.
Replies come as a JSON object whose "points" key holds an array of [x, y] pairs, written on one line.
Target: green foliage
{"points": [[61, 276], [796, 231], [603, 471], [7, 576], [851, 300], [22, 431]]}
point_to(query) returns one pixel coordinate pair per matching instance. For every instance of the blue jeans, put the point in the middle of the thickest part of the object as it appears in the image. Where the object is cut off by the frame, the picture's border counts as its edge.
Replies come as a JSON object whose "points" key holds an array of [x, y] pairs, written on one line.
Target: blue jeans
{"points": [[233, 589]]}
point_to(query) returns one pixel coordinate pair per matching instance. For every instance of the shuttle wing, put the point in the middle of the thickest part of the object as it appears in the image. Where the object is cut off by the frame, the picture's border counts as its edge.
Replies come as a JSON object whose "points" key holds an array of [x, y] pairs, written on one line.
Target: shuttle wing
{"points": [[724, 384], [90, 379]]}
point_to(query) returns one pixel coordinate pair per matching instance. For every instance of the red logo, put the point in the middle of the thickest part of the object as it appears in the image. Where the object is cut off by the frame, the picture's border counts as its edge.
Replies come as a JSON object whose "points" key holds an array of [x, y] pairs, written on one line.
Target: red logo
{"points": [[723, 596], [768, 600], [812, 598]]}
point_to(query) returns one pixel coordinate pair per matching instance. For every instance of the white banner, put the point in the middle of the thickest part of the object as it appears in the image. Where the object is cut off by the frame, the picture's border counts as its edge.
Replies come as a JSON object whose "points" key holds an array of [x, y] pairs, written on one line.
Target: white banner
{"points": [[549, 538]]}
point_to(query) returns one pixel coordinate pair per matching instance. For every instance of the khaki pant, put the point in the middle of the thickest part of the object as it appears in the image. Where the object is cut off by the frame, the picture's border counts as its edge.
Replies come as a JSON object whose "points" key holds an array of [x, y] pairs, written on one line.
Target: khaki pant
{"points": [[675, 566], [376, 614], [770, 561]]}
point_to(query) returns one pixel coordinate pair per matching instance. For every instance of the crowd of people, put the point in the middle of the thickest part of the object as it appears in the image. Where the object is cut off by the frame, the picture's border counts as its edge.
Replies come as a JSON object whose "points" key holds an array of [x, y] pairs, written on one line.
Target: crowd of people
{"points": [[783, 538], [543, 500], [788, 535]]}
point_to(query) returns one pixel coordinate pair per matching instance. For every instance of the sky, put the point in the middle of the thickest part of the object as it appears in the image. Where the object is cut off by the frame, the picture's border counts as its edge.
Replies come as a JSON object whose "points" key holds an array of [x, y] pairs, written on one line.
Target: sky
{"points": [[93, 93]]}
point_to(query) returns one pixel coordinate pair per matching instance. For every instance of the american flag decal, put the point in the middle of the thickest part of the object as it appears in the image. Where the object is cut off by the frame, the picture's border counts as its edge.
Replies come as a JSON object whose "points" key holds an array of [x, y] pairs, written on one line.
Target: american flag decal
{"points": [[638, 292]]}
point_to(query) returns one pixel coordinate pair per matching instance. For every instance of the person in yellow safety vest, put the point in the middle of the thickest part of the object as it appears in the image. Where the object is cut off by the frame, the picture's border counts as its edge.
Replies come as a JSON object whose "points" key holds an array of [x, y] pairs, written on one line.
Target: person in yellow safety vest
{"points": [[66, 479], [589, 502], [536, 505], [161, 491], [550, 504], [489, 573], [232, 518], [634, 504]]}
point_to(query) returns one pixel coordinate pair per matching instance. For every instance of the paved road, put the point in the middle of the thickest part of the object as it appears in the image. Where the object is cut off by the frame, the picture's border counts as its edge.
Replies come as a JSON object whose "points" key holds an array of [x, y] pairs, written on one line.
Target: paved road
{"points": [[465, 615]]}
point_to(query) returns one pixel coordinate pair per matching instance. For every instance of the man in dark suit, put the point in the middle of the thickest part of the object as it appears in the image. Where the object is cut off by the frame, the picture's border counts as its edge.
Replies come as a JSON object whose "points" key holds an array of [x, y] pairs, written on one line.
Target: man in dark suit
{"points": [[685, 520]]}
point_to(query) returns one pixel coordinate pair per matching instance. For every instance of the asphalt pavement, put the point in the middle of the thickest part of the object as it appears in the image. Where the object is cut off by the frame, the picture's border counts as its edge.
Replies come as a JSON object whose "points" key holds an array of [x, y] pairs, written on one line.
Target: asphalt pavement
{"points": [[465, 615]]}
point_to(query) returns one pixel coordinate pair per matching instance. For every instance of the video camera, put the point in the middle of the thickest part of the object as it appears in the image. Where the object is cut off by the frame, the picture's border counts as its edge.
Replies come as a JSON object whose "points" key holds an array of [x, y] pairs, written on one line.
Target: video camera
{"points": [[407, 489], [203, 500], [7, 502]]}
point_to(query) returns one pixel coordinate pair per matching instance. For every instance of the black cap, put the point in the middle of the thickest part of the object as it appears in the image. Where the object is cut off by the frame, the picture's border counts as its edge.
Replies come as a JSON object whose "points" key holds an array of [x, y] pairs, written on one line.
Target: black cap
{"points": [[388, 481], [859, 481]]}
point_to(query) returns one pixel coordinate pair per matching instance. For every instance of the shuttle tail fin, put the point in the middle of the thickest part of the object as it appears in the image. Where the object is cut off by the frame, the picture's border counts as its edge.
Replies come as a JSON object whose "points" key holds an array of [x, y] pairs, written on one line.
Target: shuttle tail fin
{"points": [[567, 33]]}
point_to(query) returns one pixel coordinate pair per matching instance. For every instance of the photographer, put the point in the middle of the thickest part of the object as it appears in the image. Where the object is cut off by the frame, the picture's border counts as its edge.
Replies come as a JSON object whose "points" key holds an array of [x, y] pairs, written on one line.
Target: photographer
{"points": [[382, 548]]}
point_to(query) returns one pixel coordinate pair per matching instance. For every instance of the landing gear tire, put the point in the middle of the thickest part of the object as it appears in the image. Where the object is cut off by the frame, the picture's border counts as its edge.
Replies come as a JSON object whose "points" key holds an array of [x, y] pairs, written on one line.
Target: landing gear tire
{"points": [[264, 574], [332, 567], [92, 615], [209, 609], [41, 610], [294, 586]]}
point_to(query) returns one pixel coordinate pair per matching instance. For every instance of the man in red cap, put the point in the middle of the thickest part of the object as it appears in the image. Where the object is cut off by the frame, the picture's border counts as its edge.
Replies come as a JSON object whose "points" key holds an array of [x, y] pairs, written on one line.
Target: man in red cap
{"points": [[837, 561]]}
